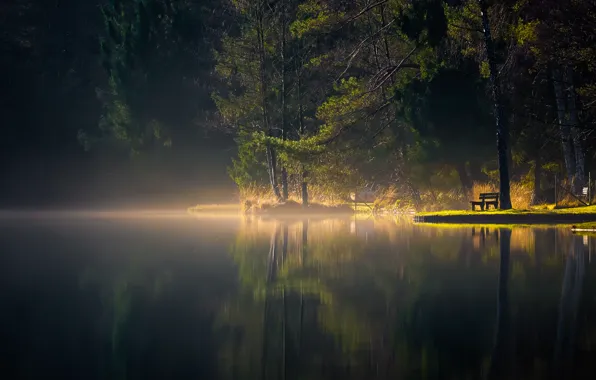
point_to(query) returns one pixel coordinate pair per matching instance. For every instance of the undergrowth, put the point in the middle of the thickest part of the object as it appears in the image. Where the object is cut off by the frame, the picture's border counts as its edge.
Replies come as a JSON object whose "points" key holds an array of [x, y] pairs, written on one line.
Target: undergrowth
{"points": [[397, 200]]}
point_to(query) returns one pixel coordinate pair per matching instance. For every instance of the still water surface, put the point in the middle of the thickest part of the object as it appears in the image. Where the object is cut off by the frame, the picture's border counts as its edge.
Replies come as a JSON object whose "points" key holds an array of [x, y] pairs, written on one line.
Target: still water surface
{"points": [[179, 297]]}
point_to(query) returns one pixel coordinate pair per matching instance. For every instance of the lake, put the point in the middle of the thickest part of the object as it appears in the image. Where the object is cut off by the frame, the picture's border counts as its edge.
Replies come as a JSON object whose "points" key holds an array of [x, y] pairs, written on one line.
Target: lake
{"points": [[171, 296]]}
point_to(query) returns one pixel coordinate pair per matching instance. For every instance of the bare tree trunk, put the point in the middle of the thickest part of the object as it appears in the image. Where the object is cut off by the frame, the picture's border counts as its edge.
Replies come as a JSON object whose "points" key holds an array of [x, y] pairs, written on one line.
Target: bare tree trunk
{"points": [[304, 189], [564, 129], [302, 129], [580, 177], [284, 122], [272, 169], [502, 128], [270, 152]]}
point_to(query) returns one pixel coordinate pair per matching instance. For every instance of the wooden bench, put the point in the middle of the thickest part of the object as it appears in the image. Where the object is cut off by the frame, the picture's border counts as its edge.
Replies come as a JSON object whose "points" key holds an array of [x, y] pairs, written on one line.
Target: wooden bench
{"points": [[486, 200]]}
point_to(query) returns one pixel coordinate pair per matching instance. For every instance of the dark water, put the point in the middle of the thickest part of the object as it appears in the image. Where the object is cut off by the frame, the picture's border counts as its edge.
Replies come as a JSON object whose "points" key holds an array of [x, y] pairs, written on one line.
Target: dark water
{"points": [[184, 298]]}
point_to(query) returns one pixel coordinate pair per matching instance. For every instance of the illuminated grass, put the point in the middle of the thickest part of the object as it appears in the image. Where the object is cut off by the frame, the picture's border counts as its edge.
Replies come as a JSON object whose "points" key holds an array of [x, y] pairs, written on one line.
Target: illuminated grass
{"points": [[493, 225], [533, 211], [535, 216]]}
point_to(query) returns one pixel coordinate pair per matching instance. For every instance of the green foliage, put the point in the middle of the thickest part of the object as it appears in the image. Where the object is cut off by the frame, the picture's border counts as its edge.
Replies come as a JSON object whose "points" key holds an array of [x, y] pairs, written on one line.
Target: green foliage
{"points": [[146, 50], [248, 168], [402, 86], [312, 17], [526, 32]]}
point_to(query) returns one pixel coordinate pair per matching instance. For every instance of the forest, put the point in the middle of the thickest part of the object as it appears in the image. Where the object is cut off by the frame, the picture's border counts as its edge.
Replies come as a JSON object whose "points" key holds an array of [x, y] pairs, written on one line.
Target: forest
{"points": [[426, 101]]}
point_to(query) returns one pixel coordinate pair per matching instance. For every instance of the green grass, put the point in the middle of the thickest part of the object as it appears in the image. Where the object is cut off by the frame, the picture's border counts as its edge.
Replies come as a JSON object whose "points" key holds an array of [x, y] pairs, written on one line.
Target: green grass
{"points": [[493, 225], [588, 225], [534, 211]]}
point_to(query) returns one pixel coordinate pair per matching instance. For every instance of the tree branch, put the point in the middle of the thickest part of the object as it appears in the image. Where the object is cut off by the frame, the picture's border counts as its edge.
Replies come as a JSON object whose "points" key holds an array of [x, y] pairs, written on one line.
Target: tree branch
{"points": [[379, 82], [343, 128], [357, 50], [366, 9], [466, 28]]}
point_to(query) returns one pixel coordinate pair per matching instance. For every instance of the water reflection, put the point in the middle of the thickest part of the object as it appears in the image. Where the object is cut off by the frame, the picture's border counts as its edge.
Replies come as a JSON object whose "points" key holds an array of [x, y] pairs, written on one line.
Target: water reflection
{"points": [[294, 299], [419, 302]]}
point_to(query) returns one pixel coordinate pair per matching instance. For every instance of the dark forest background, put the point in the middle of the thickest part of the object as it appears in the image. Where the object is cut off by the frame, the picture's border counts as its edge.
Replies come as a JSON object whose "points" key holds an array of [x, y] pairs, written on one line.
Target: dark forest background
{"points": [[51, 81]]}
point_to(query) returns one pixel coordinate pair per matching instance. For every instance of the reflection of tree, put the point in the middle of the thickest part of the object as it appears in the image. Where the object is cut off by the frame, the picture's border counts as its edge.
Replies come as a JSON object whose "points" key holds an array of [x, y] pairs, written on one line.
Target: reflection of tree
{"points": [[404, 301], [303, 324], [501, 349], [365, 304], [569, 306]]}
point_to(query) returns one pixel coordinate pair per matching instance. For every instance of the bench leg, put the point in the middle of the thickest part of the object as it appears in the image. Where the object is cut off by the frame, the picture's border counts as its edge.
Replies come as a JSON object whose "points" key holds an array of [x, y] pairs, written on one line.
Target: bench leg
{"points": [[495, 207]]}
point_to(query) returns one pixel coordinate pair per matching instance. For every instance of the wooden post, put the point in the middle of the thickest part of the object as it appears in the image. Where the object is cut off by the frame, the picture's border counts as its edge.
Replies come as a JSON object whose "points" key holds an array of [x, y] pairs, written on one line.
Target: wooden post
{"points": [[589, 188]]}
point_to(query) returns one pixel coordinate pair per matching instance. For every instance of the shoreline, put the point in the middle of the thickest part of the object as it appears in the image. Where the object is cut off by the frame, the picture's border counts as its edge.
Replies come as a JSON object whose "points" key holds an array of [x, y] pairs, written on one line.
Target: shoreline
{"points": [[528, 218]]}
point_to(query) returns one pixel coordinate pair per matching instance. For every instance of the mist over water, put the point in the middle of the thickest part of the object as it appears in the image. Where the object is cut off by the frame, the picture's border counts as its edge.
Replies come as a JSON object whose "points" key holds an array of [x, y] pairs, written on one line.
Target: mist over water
{"points": [[163, 294]]}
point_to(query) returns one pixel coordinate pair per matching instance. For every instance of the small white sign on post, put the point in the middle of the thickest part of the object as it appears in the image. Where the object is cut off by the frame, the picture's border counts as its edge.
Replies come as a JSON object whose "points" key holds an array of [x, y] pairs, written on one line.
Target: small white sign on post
{"points": [[585, 191]]}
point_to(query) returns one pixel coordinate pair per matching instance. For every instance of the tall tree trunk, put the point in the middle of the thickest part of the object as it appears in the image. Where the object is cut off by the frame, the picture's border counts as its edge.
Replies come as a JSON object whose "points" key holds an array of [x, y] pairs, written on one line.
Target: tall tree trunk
{"points": [[502, 128], [284, 122], [302, 130], [272, 169], [284, 184], [270, 152], [304, 189], [580, 177], [564, 128]]}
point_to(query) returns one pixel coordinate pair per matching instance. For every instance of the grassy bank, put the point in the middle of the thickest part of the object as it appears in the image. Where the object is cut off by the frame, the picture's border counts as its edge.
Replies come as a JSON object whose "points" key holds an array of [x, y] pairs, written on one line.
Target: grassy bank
{"points": [[543, 215]]}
